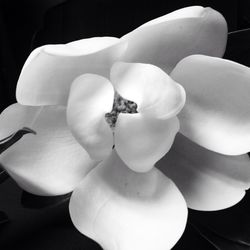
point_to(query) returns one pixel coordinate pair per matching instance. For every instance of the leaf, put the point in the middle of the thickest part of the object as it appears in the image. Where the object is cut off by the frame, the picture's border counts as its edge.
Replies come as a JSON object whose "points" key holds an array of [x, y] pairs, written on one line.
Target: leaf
{"points": [[50, 26], [218, 242], [238, 48], [3, 175], [232, 223], [32, 201], [192, 239], [227, 229], [3, 218]]}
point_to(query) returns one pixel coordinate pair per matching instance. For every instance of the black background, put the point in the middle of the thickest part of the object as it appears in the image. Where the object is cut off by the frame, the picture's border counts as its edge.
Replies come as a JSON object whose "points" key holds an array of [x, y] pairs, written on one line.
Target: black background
{"points": [[26, 24]]}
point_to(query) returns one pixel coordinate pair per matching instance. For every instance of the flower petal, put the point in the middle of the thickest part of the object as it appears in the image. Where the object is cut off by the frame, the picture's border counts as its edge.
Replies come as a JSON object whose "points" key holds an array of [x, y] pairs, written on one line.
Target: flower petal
{"points": [[208, 180], [49, 71], [91, 96], [216, 114], [166, 40], [155, 93], [50, 162], [142, 141], [128, 210]]}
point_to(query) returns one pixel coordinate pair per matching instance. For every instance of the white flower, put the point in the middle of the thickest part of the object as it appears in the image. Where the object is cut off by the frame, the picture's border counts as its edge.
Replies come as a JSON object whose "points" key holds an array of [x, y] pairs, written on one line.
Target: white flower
{"points": [[114, 205]]}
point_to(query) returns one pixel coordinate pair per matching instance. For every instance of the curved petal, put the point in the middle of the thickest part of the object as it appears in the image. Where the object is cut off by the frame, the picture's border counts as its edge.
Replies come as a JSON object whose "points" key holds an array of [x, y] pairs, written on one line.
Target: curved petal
{"points": [[208, 180], [49, 71], [127, 210], [141, 141], [155, 93], [91, 96], [216, 114], [166, 40], [50, 162]]}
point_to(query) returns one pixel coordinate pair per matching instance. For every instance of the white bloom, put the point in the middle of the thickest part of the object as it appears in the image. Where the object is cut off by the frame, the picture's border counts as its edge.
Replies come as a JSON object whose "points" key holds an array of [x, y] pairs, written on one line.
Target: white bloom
{"points": [[116, 206]]}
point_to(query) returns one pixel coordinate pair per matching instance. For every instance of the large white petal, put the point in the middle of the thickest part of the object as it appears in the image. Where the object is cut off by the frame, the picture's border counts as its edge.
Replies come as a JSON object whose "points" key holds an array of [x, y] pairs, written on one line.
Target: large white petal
{"points": [[124, 210], [208, 180], [155, 93], [49, 71], [48, 163], [91, 97], [217, 110], [142, 141], [166, 40]]}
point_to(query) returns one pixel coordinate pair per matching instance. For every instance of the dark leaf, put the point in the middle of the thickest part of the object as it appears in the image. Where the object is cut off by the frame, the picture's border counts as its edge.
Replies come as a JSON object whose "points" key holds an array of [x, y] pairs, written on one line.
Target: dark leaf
{"points": [[193, 240], [244, 205], [29, 200], [15, 137], [18, 19], [3, 218], [232, 223], [227, 229], [38, 229], [218, 242], [238, 47], [243, 14], [3, 175]]}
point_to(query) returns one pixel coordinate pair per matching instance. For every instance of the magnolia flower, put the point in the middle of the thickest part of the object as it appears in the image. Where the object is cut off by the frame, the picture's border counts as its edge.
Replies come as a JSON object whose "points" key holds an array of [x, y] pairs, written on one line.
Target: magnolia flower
{"points": [[66, 94]]}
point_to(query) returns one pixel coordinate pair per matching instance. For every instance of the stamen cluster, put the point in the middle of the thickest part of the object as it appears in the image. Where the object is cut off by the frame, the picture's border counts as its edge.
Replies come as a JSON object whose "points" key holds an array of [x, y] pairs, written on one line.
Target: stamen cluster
{"points": [[120, 105]]}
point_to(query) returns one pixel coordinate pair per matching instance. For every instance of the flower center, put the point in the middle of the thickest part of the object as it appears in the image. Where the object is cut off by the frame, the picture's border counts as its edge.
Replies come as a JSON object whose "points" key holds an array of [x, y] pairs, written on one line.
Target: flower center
{"points": [[120, 105]]}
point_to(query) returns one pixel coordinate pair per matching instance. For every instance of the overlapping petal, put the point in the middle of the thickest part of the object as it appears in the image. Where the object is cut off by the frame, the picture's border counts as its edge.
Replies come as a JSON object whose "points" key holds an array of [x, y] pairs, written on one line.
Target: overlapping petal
{"points": [[208, 180], [124, 210], [155, 93], [166, 40], [50, 162], [141, 141], [49, 71], [91, 96], [217, 111]]}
